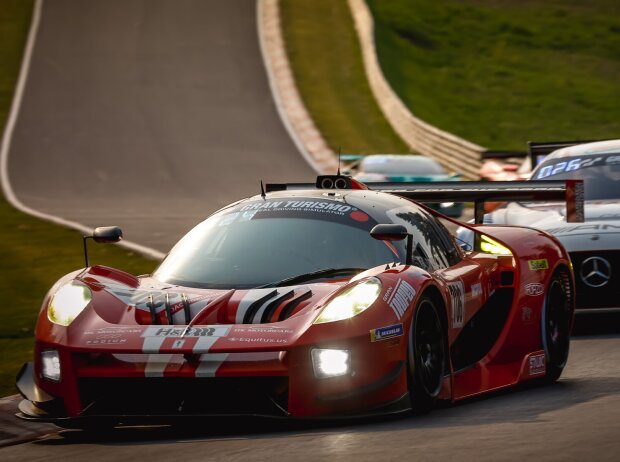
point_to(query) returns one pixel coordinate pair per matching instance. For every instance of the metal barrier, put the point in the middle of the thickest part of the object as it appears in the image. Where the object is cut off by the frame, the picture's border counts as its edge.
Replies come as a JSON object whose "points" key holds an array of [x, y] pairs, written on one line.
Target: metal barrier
{"points": [[452, 152]]}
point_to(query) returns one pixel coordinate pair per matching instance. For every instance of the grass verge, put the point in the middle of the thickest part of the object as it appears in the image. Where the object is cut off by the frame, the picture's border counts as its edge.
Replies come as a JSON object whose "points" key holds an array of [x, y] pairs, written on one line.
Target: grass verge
{"points": [[500, 73], [325, 56], [33, 253]]}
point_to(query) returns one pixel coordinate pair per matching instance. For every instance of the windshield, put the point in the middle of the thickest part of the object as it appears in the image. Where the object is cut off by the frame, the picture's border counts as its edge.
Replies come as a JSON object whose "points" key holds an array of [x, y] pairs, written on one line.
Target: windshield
{"points": [[600, 173], [243, 249]]}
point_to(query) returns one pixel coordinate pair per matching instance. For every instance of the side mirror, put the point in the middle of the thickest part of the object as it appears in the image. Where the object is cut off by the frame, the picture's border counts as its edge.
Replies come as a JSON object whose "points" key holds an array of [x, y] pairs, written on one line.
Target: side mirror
{"points": [[394, 232], [389, 232], [102, 235], [107, 234]]}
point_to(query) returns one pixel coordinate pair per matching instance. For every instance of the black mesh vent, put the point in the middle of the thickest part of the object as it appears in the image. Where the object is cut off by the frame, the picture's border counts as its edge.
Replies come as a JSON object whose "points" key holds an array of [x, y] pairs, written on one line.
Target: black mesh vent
{"points": [[173, 396]]}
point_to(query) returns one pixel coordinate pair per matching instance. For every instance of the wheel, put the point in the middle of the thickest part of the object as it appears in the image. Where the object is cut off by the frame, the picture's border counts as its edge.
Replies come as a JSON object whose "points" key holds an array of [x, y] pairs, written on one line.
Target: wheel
{"points": [[556, 323], [426, 356]]}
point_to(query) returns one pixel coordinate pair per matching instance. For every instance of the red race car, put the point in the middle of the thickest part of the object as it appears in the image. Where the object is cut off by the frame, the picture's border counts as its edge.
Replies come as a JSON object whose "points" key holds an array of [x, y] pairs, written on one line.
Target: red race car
{"points": [[319, 300]]}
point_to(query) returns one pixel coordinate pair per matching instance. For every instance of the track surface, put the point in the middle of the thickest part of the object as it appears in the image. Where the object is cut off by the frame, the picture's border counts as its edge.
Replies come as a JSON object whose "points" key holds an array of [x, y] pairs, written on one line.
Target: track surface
{"points": [[576, 419], [156, 113], [147, 114]]}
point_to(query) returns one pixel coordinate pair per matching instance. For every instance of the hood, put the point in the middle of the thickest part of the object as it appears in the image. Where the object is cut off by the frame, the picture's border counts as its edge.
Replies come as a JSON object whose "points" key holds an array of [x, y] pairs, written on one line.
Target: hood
{"points": [[601, 229], [145, 301]]}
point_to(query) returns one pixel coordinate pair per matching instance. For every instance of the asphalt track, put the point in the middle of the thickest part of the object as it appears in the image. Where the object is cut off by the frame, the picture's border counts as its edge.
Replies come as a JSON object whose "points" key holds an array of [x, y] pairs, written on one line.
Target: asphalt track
{"points": [[147, 114], [155, 113]]}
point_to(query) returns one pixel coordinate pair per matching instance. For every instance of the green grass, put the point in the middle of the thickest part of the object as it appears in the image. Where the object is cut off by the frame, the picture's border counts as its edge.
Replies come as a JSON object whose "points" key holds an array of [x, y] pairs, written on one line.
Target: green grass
{"points": [[327, 64], [501, 72], [33, 253]]}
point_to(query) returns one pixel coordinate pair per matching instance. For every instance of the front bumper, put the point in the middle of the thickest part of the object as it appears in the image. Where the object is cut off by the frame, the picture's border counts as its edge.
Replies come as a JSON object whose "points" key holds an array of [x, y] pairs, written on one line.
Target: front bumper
{"points": [[266, 384]]}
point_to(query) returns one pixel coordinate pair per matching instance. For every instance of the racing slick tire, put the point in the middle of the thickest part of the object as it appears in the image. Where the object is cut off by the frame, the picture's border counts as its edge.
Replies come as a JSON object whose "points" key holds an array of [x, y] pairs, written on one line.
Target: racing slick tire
{"points": [[426, 356], [556, 323]]}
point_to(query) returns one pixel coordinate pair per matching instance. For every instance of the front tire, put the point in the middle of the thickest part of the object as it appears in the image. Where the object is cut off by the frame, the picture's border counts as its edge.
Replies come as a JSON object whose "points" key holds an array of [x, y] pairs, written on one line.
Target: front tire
{"points": [[426, 356], [557, 323]]}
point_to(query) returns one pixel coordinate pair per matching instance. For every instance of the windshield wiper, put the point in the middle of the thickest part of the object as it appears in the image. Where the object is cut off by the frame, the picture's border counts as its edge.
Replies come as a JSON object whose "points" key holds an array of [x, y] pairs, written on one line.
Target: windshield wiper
{"points": [[325, 272]]}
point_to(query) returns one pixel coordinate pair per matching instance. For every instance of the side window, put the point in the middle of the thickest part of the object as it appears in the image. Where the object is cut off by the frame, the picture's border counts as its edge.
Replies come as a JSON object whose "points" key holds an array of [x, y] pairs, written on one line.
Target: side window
{"points": [[446, 242], [433, 248]]}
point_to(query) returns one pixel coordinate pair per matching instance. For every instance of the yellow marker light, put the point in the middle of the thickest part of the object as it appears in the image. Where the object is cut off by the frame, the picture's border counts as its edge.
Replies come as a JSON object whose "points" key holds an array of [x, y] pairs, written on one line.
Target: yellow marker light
{"points": [[351, 301], [68, 302], [488, 245]]}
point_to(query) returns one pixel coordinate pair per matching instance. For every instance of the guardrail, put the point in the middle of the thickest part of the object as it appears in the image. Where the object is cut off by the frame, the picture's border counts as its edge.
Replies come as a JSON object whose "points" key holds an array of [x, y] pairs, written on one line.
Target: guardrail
{"points": [[452, 152]]}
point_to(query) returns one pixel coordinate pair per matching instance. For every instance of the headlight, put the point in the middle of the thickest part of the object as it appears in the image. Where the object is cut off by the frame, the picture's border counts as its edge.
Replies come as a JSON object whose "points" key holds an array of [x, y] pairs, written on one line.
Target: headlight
{"points": [[67, 303], [351, 302], [488, 245]]}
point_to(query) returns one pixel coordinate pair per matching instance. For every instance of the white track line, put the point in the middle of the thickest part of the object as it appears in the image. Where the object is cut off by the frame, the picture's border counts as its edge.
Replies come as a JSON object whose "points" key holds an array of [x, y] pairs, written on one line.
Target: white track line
{"points": [[6, 146]]}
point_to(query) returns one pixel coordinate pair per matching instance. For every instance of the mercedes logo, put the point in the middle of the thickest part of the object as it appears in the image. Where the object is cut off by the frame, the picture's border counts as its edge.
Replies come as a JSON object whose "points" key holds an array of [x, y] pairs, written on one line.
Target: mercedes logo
{"points": [[595, 271]]}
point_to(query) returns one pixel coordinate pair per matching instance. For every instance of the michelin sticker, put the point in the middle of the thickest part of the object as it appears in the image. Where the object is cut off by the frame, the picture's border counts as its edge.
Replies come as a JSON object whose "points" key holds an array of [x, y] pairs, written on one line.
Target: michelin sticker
{"points": [[457, 296], [171, 332], [387, 332], [401, 298]]}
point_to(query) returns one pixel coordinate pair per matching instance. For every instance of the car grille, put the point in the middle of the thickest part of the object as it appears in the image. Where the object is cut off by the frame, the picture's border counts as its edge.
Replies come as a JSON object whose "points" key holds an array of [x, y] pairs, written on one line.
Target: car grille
{"points": [[173, 396], [607, 294]]}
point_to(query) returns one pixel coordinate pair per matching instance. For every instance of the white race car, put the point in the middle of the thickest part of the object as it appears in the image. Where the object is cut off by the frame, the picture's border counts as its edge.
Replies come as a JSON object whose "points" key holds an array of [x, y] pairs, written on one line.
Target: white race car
{"points": [[594, 245]]}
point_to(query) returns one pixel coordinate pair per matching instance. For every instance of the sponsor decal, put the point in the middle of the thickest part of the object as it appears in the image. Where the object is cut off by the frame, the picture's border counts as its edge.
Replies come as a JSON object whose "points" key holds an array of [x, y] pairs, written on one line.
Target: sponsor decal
{"points": [[537, 265], [258, 339], [476, 290], [327, 206], [526, 314], [107, 341], [359, 216], [457, 296], [599, 228], [108, 331], [537, 364], [387, 293], [534, 289], [384, 333], [401, 297], [576, 163], [167, 332], [263, 330]]}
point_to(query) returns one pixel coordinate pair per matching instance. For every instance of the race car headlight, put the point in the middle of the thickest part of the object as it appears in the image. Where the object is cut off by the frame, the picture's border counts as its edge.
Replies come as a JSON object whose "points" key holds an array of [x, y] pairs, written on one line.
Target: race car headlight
{"points": [[67, 303], [330, 363], [351, 302], [50, 365], [488, 245]]}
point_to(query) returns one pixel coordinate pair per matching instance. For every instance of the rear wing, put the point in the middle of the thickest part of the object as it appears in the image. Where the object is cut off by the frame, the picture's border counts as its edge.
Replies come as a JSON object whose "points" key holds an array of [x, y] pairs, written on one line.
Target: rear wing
{"points": [[569, 191]]}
